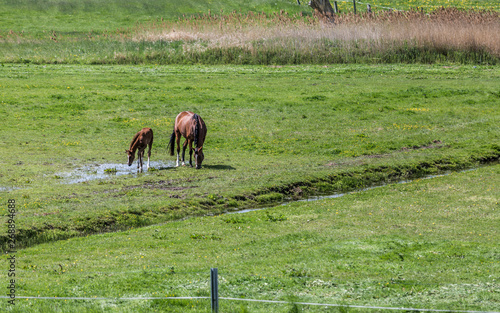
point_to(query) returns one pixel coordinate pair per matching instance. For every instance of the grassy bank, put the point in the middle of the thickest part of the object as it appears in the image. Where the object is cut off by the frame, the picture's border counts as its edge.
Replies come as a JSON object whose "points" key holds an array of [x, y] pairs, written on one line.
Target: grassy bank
{"points": [[273, 132], [426, 244]]}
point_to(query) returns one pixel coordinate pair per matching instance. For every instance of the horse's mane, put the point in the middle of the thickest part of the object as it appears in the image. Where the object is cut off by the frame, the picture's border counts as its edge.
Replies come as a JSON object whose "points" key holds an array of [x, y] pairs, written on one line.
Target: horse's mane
{"points": [[196, 129], [134, 140]]}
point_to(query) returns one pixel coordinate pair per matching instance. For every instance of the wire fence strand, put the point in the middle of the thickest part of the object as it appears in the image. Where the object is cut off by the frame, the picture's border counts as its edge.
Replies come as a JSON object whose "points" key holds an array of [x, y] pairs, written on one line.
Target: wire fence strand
{"points": [[250, 300]]}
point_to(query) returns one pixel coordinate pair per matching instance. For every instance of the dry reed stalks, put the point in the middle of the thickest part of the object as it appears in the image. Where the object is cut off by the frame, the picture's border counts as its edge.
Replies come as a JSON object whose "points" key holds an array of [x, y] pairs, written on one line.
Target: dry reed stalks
{"points": [[441, 30]]}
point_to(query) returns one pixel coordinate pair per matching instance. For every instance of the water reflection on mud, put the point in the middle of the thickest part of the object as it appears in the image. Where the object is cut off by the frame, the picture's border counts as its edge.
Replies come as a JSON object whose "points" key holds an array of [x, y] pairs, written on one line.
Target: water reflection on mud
{"points": [[103, 171]]}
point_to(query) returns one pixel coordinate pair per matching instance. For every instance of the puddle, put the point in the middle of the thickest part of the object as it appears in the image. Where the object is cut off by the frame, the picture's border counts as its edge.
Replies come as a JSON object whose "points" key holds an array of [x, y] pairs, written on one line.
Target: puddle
{"points": [[104, 171], [312, 198], [8, 188]]}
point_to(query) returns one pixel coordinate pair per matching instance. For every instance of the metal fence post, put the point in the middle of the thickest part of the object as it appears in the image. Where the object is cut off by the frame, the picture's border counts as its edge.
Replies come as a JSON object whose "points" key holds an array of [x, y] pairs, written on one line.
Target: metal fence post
{"points": [[354, 5], [214, 290]]}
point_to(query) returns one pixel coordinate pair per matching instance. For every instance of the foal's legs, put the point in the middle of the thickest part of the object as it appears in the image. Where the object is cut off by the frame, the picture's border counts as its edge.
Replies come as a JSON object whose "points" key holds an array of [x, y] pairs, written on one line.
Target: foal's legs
{"points": [[140, 154], [149, 151]]}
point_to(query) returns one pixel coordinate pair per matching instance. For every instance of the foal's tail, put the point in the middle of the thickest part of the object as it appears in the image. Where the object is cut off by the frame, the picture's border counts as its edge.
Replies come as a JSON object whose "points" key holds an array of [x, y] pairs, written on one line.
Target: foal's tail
{"points": [[171, 143]]}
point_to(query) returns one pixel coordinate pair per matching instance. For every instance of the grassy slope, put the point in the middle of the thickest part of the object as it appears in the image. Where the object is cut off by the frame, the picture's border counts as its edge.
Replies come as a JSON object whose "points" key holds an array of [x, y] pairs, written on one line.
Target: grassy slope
{"points": [[269, 130], [94, 15], [429, 244]]}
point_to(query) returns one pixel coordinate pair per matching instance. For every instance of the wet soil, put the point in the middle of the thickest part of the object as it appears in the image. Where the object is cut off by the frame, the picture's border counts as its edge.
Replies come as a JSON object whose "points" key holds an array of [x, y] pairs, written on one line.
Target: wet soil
{"points": [[108, 170]]}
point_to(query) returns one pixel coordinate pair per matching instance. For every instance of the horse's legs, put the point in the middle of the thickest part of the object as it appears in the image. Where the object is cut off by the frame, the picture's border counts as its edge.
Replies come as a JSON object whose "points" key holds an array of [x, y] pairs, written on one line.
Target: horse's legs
{"points": [[184, 151], [178, 139]]}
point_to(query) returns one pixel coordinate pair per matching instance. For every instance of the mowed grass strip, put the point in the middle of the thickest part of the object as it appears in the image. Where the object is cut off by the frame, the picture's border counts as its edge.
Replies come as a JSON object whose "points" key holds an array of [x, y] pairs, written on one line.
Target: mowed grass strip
{"points": [[428, 244], [273, 133]]}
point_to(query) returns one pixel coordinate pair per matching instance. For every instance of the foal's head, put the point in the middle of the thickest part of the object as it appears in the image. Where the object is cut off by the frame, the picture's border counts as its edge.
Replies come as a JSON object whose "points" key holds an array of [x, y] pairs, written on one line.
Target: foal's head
{"points": [[131, 156], [198, 157]]}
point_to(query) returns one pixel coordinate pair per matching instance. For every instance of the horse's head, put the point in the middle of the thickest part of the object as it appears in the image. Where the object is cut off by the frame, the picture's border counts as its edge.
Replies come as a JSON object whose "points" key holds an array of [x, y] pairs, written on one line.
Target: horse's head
{"points": [[131, 156], [198, 157]]}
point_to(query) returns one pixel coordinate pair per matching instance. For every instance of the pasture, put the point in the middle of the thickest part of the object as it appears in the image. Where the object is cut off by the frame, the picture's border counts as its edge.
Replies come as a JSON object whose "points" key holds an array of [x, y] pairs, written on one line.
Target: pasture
{"points": [[404, 102], [428, 244], [273, 133]]}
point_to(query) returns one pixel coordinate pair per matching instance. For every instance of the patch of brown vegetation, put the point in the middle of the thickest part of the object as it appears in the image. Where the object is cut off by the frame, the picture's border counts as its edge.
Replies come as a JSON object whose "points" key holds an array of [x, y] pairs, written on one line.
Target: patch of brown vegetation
{"points": [[171, 185], [45, 214], [436, 144], [446, 28], [356, 161]]}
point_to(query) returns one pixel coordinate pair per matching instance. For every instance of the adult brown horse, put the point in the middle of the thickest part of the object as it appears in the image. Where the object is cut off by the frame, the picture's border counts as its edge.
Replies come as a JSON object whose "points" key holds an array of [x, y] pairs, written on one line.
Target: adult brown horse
{"points": [[192, 127], [140, 141]]}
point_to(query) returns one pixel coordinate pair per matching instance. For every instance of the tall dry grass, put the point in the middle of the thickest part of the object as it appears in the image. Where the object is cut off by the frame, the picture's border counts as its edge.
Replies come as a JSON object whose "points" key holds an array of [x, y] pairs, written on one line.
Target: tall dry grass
{"points": [[443, 30], [446, 35]]}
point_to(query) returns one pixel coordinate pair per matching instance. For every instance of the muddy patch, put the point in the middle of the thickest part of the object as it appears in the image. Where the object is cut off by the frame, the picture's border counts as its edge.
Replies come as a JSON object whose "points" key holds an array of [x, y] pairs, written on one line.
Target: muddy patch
{"points": [[109, 170], [171, 185], [436, 144]]}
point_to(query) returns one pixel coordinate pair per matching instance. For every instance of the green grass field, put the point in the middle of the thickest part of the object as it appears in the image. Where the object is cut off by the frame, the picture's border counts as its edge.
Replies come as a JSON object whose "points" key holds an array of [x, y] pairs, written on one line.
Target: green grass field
{"points": [[272, 133], [96, 15], [315, 115], [426, 244]]}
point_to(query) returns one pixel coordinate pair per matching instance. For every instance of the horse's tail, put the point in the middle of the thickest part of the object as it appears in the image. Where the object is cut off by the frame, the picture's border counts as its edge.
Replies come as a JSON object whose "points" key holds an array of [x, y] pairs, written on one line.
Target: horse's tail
{"points": [[196, 130], [171, 143]]}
